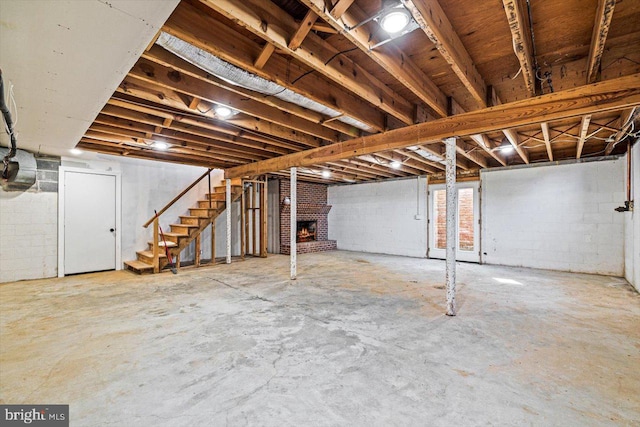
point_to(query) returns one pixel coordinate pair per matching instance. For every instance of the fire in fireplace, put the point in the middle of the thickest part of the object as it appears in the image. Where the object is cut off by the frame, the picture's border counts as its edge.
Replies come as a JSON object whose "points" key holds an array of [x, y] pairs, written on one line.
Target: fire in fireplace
{"points": [[306, 231]]}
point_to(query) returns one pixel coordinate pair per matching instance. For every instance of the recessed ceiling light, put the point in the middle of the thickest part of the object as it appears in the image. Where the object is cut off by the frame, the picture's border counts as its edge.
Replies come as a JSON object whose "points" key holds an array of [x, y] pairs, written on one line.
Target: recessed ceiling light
{"points": [[223, 112], [160, 145], [75, 151], [506, 148], [395, 20], [396, 164], [326, 174]]}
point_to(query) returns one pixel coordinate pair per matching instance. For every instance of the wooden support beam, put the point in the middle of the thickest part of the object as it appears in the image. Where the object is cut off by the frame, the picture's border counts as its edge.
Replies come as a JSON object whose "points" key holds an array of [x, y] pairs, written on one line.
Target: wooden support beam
{"points": [[519, 25], [268, 21], [584, 131], [547, 140], [340, 7], [194, 103], [207, 33], [389, 57], [156, 246], [438, 28], [604, 13], [302, 31], [483, 142], [615, 94], [263, 218], [243, 219], [625, 121], [228, 218], [264, 56], [514, 139], [469, 154], [197, 249]]}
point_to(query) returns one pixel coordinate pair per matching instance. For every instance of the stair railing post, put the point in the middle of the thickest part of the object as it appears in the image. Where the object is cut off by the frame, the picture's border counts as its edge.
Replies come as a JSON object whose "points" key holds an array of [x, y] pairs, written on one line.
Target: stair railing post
{"points": [[156, 247], [209, 187]]}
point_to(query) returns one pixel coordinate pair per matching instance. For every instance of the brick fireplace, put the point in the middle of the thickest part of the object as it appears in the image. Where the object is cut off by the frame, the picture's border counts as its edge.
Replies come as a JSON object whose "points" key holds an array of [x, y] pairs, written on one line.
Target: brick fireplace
{"points": [[312, 209]]}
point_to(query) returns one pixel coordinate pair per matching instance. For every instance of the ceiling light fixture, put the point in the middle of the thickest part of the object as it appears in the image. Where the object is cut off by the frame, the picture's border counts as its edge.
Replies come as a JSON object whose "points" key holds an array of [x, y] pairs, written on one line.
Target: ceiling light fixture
{"points": [[326, 174], [506, 149], [396, 164], [160, 145], [395, 20], [223, 112], [75, 151]]}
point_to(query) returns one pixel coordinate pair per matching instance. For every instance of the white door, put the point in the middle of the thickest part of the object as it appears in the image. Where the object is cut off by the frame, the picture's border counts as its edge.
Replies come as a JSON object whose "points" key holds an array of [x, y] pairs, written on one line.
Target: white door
{"points": [[89, 221], [467, 218]]}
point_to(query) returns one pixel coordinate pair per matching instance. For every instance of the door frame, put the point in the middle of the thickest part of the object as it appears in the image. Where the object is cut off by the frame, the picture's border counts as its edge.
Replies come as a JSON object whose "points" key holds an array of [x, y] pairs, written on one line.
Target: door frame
{"points": [[476, 186], [61, 195]]}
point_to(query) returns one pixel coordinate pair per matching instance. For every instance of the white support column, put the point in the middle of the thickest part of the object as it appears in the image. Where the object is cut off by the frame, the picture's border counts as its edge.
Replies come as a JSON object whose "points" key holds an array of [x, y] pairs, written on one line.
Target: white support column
{"points": [[228, 199], [452, 228], [292, 228]]}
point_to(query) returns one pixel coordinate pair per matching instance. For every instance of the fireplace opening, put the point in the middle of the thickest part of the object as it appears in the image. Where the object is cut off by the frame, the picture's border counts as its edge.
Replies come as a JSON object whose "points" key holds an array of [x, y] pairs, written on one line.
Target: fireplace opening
{"points": [[306, 231]]}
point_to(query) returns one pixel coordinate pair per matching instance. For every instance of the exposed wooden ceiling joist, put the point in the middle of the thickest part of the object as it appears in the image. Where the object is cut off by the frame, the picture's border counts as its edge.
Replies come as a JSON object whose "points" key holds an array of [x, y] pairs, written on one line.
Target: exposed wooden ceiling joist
{"points": [[609, 95], [519, 25], [268, 21], [604, 14]]}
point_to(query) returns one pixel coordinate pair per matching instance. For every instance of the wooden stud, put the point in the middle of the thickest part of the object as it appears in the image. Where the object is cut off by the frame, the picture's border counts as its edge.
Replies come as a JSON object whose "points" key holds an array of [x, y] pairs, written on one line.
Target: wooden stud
{"points": [[156, 246], [547, 140], [243, 219], [584, 130], [197, 254], [514, 139], [254, 221], [302, 31], [263, 218], [518, 23], [438, 28], [264, 56], [601, 26]]}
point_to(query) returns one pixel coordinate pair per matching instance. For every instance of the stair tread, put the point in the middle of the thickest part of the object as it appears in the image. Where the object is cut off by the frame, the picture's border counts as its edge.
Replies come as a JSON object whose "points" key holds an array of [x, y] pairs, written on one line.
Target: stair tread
{"points": [[150, 254], [161, 244], [139, 265], [185, 225], [171, 233], [190, 216]]}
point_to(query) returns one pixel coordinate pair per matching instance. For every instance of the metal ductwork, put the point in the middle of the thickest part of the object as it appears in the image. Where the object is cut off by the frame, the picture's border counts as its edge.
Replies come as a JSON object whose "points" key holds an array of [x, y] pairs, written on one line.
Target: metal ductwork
{"points": [[22, 177]]}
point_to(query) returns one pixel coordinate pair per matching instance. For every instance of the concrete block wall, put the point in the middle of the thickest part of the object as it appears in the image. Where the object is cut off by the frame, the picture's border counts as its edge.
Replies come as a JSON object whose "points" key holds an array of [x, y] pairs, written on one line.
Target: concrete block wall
{"points": [[632, 224], [380, 217], [558, 217], [29, 226]]}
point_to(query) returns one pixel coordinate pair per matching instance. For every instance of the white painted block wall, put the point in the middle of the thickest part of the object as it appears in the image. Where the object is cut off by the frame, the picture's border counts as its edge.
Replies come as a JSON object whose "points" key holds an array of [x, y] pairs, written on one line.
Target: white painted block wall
{"points": [[28, 235], [632, 224], [379, 217], [558, 217]]}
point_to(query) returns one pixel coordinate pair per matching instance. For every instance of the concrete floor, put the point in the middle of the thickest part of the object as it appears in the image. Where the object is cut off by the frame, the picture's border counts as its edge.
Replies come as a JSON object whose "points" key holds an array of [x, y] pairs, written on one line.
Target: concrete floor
{"points": [[358, 339]]}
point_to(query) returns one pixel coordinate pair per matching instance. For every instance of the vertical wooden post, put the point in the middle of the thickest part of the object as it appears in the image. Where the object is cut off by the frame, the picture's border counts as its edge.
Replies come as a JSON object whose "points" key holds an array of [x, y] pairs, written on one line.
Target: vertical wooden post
{"points": [[228, 205], [243, 219], [292, 227], [263, 216], [452, 207], [246, 219], [178, 260], [213, 242], [254, 223], [197, 251], [156, 247]]}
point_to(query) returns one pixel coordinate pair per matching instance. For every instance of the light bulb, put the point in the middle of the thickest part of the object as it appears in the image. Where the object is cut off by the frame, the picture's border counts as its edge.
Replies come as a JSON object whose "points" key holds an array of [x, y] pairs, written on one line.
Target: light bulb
{"points": [[395, 21]]}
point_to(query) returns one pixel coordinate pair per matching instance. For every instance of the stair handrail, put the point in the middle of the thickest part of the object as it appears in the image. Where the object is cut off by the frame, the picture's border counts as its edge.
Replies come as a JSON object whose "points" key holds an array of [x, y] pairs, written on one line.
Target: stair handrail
{"points": [[178, 197]]}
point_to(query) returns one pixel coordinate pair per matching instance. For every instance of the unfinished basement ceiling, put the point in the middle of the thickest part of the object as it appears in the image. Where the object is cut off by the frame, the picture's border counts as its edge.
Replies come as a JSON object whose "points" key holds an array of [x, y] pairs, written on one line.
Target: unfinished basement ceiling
{"points": [[301, 75]]}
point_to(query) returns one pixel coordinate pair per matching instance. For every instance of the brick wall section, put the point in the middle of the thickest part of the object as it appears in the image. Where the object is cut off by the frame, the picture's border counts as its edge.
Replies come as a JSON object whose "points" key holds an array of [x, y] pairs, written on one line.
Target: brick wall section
{"points": [[307, 194], [465, 219]]}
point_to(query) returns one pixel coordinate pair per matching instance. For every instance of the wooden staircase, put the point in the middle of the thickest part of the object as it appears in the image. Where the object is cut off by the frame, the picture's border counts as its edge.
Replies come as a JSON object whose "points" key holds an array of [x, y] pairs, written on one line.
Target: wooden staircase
{"points": [[186, 230]]}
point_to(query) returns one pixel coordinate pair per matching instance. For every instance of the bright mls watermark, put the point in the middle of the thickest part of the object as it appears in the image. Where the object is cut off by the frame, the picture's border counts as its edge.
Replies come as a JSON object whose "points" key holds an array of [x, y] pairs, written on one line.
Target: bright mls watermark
{"points": [[34, 415]]}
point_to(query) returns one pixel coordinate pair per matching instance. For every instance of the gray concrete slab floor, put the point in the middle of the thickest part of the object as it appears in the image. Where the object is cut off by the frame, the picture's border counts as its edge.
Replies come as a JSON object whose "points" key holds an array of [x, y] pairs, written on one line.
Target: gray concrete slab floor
{"points": [[358, 339]]}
